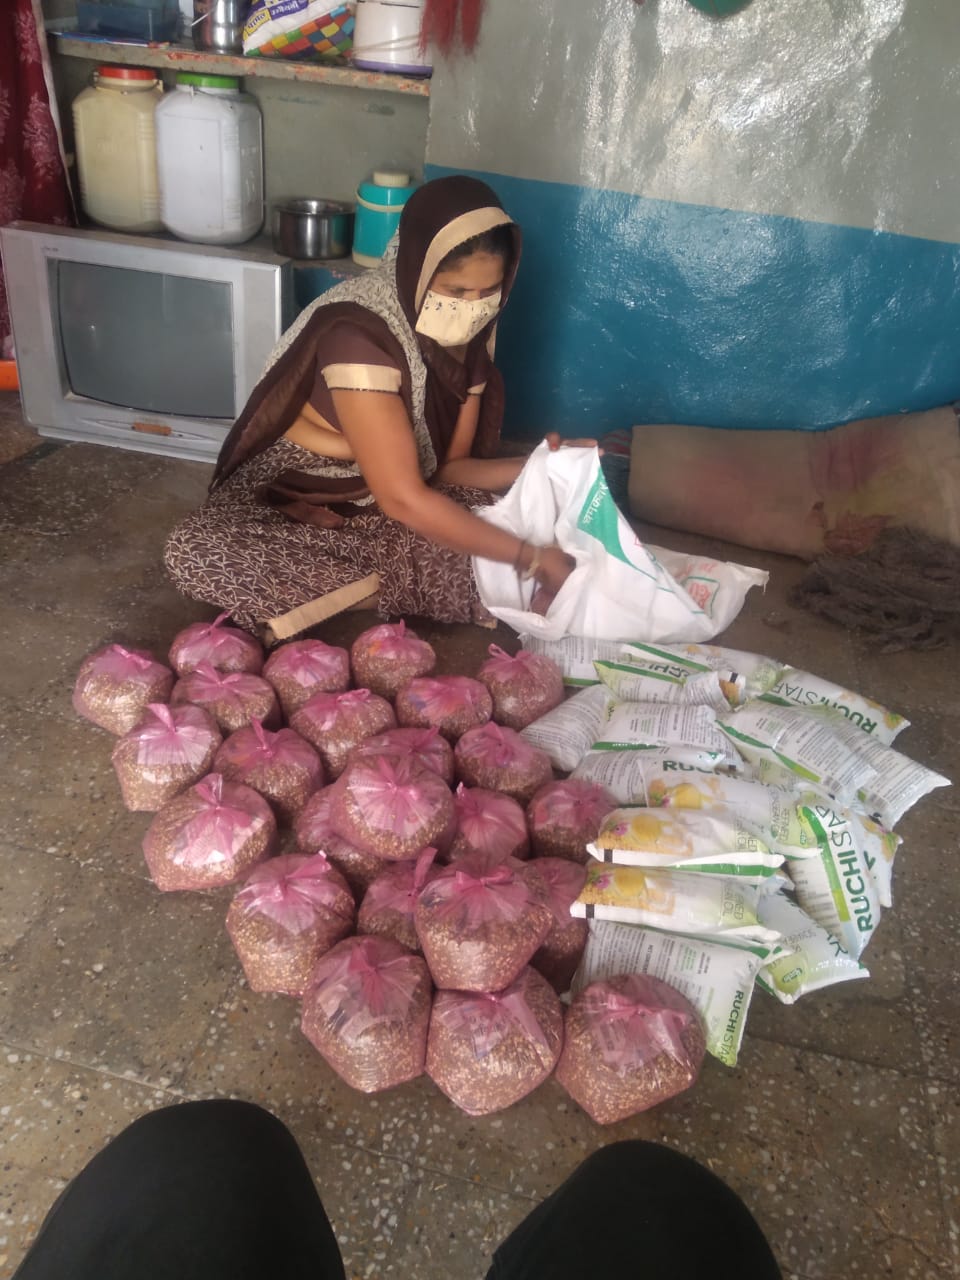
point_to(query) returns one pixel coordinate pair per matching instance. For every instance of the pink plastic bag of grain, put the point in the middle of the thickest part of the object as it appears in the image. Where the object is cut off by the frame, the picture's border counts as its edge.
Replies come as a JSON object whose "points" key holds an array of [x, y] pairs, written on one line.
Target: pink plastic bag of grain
{"points": [[234, 699], [630, 1043], [367, 1012], [479, 922], [304, 667], [289, 911], [563, 946], [565, 816], [337, 722], [282, 766], [386, 657], [211, 835], [500, 760], [424, 746], [490, 823], [523, 687], [388, 905], [116, 685], [314, 833], [225, 648], [393, 808], [487, 1051], [169, 749], [452, 704]]}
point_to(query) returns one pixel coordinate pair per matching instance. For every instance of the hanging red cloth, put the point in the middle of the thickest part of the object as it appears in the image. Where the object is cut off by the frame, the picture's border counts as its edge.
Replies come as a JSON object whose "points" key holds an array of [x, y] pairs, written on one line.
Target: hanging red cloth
{"points": [[33, 182], [449, 23]]}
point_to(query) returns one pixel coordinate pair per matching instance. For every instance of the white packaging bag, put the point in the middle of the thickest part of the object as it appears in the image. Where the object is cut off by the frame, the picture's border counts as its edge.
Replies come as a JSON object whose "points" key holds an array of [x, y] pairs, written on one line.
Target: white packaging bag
{"points": [[620, 589]]}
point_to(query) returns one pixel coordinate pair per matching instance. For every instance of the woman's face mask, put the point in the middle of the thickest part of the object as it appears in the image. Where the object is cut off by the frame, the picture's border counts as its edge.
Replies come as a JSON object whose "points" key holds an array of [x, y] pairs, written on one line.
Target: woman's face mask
{"points": [[453, 322]]}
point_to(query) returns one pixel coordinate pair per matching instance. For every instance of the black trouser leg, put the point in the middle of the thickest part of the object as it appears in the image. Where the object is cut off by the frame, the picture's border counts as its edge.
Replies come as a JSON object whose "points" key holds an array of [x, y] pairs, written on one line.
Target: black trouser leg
{"points": [[638, 1211], [200, 1191]]}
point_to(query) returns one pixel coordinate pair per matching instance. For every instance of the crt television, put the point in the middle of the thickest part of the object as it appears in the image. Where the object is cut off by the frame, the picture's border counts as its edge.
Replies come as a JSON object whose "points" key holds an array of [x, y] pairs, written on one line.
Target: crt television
{"points": [[137, 341]]}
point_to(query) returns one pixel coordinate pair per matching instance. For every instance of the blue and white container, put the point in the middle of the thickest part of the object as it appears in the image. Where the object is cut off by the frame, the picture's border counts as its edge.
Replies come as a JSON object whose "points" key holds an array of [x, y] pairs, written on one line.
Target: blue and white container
{"points": [[380, 203]]}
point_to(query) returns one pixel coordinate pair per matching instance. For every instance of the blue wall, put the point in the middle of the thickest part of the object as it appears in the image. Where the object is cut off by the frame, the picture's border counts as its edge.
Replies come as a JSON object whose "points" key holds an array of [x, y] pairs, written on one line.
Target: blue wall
{"points": [[630, 309]]}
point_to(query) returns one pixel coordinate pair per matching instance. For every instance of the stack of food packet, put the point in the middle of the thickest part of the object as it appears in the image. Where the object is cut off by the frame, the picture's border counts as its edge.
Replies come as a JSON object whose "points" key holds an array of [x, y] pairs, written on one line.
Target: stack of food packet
{"points": [[753, 839], [443, 902]]}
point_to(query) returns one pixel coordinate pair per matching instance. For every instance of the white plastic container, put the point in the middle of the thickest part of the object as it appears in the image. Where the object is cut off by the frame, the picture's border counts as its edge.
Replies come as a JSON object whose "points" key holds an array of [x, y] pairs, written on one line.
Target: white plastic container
{"points": [[117, 150], [210, 160], [386, 37]]}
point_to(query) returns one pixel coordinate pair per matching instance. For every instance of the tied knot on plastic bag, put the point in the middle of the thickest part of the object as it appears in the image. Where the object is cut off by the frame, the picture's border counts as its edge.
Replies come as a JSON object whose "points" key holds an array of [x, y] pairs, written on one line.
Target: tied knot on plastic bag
{"points": [[506, 666], [630, 1031], [571, 803], [228, 816], [396, 795], [326, 708], [486, 1018], [308, 660], [217, 643], [134, 657], [490, 822], [497, 746], [364, 985], [175, 735], [445, 696], [563, 881], [398, 887], [290, 891], [478, 891]]}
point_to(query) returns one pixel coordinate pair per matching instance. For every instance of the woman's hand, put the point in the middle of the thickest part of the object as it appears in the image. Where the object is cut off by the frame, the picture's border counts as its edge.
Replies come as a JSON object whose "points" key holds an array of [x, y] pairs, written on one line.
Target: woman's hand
{"points": [[555, 441], [553, 569]]}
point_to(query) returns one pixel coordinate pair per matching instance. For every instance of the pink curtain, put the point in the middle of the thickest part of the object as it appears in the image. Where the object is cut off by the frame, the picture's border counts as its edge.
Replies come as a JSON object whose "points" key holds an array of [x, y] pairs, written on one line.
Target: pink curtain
{"points": [[33, 182]]}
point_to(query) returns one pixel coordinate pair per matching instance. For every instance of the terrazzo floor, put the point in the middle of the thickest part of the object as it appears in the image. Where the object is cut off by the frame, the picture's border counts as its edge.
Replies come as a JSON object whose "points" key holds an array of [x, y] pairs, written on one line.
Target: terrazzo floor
{"points": [[838, 1127]]}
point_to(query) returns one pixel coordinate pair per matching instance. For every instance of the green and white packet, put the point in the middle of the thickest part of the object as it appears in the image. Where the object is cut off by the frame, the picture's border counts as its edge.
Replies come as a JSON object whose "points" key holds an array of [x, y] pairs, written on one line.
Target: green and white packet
{"points": [[795, 688], [650, 724], [638, 684], [879, 850], [823, 749], [710, 841], [574, 655], [759, 672], [716, 977], [836, 889], [817, 958], [673, 901], [623, 772], [568, 731], [769, 812]]}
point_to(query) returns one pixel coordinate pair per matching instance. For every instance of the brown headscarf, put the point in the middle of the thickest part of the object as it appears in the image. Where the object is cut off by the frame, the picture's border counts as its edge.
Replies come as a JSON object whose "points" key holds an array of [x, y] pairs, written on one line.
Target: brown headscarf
{"points": [[438, 218]]}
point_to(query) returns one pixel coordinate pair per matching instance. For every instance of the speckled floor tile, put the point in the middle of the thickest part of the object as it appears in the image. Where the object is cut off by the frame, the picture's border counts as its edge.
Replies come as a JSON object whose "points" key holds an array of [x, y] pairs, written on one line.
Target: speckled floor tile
{"points": [[366, 1201], [452, 1228], [869, 1021], [70, 487], [58, 790], [25, 1197], [53, 1118], [30, 884], [117, 975], [834, 1158], [945, 1107], [915, 681]]}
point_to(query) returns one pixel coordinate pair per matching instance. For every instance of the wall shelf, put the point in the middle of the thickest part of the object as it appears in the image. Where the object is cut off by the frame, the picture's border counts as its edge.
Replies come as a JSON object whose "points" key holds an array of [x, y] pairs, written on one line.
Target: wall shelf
{"points": [[175, 57]]}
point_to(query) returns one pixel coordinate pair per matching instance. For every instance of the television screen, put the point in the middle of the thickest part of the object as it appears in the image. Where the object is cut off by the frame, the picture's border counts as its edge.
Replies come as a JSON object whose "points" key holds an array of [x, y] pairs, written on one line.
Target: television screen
{"points": [[146, 340]]}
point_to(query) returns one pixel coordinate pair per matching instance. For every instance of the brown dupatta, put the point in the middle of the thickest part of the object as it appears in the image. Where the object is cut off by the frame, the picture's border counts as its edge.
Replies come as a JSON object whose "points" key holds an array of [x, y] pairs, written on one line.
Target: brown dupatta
{"points": [[437, 218]]}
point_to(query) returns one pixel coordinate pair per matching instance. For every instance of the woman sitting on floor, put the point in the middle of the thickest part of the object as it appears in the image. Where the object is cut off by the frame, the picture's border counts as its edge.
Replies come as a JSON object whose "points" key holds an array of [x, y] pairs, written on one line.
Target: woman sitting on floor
{"points": [[354, 465]]}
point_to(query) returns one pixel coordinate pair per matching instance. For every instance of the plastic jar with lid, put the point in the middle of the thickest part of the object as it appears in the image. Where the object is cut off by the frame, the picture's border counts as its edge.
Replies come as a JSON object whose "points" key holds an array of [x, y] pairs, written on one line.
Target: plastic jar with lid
{"points": [[113, 122], [380, 203], [210, 160]]}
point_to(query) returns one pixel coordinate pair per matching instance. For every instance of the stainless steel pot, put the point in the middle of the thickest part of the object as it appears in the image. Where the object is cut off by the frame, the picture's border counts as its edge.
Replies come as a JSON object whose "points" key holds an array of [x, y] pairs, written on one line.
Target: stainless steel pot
{"points": [[218, 25], [311, 228]]}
